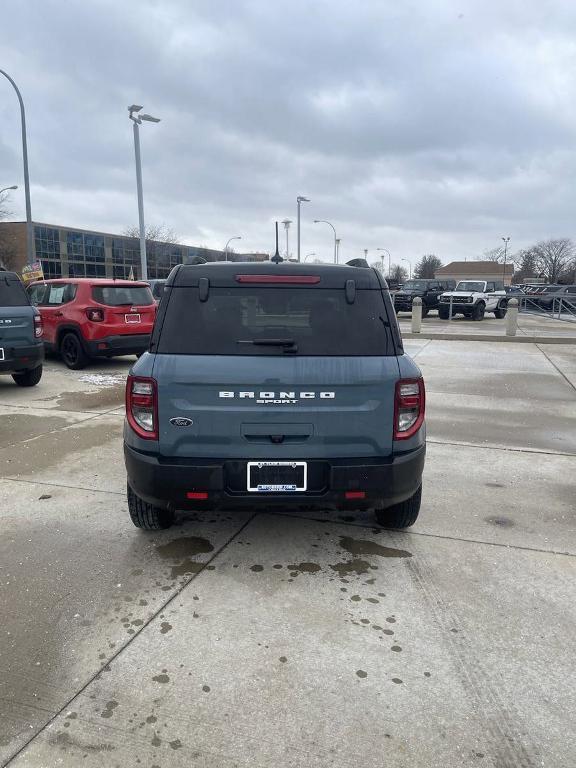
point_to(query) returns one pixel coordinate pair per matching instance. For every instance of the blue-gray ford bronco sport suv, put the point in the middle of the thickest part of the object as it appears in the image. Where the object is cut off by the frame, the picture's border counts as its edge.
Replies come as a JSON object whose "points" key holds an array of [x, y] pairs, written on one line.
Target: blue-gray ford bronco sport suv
{"points": [[274, 384]]}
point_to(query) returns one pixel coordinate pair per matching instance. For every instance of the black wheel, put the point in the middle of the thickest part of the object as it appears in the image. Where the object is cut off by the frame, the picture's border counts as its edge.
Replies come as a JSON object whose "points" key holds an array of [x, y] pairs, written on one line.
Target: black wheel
{"points": [[478, 311], [425, 310], [500, 313], [28, 378], [146, 516], [72, 352], [443, 313], [401, 515]]}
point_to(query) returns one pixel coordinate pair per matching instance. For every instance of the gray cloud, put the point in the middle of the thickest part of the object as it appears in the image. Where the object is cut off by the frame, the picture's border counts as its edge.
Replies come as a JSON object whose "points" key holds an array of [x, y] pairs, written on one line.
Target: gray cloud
{"points": [[418, 126]]}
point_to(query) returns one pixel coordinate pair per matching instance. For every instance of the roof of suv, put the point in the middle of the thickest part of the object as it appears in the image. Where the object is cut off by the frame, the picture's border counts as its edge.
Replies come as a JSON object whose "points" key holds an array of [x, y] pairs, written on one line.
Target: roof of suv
{"points": [[225, 274], [94, 281]]}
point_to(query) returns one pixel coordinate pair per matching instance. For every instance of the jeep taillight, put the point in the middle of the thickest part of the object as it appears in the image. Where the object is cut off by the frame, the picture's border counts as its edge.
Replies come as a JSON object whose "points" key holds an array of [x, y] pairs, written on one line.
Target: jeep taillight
{"points": [[409, 406], [142, 406], [38, 326], [96, 315]]}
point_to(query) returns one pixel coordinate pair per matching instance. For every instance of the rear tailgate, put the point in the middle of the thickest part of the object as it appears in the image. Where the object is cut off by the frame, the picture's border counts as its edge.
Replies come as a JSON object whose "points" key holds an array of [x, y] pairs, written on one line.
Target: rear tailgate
{"points": [[131, 309]]}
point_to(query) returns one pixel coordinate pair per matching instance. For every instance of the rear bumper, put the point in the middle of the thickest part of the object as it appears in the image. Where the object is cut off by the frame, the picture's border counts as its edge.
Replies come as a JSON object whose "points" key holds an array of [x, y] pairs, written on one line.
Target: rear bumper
{"points": [[165, 483], [109, 346], [18, 359]]}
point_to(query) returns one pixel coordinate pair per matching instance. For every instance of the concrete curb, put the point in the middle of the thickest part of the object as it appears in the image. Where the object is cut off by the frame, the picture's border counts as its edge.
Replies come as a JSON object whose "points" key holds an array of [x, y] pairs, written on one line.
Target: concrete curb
{"points": [[488, 337]]}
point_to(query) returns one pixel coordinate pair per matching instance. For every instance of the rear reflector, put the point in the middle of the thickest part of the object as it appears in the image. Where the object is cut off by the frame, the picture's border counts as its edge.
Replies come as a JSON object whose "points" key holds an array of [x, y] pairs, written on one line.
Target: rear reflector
{"points": [[292, 279], [355, 495], [197, 495]]}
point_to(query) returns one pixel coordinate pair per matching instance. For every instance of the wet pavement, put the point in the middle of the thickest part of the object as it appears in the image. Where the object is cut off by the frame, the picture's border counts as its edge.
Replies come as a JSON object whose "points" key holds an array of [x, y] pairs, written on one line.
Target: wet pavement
{"points": [[286, 639]]}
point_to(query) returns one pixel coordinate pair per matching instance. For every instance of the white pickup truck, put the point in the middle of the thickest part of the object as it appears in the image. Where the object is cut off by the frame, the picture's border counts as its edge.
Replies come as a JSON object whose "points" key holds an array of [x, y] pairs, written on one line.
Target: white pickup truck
{"points": [[472, 298]]}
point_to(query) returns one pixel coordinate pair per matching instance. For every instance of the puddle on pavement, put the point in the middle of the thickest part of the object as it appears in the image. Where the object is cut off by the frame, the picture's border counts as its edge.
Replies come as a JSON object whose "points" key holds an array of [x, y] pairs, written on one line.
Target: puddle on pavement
{"points": [[367, 547], [18, 427], [111, 397], [183, 549]]}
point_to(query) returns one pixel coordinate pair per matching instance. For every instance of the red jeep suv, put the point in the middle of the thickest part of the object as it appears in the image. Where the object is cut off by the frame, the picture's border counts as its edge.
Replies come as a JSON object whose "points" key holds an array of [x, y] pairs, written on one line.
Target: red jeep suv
{"points": [[85, 317]]}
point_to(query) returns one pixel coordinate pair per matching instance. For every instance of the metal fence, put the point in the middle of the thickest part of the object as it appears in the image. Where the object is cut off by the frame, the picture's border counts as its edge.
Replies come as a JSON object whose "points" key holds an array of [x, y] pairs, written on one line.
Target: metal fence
{"points": [[560, 308]]}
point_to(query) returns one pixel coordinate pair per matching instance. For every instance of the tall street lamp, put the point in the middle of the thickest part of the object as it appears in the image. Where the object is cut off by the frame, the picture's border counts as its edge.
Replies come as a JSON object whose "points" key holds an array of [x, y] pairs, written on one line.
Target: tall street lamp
{"points": [[134, 109], [14, 186], [29, 234], [366, 253], [409, 265], [300, 200], [323, 221], [337, 250], [287, 223], [389, 260], [238, 237], [506, 241]]}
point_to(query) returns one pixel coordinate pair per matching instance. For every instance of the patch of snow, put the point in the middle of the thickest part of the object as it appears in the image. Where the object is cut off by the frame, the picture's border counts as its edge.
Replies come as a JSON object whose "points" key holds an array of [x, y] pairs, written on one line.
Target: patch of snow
{"points": [[102, 379]]}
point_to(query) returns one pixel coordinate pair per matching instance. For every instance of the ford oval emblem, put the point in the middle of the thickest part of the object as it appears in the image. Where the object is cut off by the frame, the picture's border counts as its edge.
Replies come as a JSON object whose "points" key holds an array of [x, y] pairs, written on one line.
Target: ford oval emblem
{"points": [[181, 421]]}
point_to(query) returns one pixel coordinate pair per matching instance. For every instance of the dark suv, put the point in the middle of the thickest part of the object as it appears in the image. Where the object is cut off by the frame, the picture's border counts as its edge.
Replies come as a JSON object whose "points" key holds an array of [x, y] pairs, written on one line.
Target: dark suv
{"points": [[86, 318], [428, 290], [21, 346], [274, 384]]}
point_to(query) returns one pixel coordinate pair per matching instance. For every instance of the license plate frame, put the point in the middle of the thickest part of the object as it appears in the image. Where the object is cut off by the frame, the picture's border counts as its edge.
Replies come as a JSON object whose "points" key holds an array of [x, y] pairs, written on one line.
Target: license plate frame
{"points": [[277, 487], [132, 318]]}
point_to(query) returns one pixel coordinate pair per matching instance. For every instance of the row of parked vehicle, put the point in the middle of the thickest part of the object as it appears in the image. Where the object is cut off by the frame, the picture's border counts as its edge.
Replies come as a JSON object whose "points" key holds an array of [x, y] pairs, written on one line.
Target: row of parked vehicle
{"points": [[78, 318]]}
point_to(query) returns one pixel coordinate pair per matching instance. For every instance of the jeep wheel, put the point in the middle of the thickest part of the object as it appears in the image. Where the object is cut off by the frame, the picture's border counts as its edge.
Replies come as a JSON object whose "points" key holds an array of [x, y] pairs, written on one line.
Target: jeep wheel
{"points": [[400, 515], [72, 352], [28, 378], [478, 311], [500, 313], [146, 516], [443, 313], [425, 310]]}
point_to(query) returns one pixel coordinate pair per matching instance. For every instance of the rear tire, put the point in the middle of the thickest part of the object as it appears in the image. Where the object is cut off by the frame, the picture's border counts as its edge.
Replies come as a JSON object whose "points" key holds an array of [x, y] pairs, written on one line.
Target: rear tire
{"points": [[400, 515], [72, 352], [500, 313], [443, 313], [425, 310], [28, 378], [146, 516], [478, 311]]}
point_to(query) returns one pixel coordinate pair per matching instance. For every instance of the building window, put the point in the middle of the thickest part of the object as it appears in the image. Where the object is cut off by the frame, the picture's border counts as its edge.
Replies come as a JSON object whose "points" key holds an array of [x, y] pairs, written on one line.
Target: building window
{"points": [[47, 242], [86, 255]]}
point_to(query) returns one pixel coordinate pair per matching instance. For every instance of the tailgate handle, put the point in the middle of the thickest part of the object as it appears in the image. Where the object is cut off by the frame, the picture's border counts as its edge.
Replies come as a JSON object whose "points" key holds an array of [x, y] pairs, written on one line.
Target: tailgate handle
{"points": [[203, 288], [350, 291], [277, 433]]}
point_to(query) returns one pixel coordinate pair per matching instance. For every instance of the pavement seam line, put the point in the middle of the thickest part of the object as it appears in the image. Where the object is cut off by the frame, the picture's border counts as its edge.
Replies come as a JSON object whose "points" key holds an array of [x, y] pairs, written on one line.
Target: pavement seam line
{"points": [[561, 372], [435, 441], [129, 642], [370, 527], [428, 342], [60, 485]]}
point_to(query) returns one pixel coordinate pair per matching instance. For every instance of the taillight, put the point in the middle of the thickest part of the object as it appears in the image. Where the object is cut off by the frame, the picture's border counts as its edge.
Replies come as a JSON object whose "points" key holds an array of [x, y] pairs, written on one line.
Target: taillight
{"points": [[142, 406], [96, 315], [38, 326], [293, 279], [409, 407]]}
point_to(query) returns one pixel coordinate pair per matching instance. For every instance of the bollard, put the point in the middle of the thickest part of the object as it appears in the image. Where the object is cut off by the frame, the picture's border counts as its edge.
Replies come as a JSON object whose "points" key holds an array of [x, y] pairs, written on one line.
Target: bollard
{"points": [[416, 315], [512, 317]]}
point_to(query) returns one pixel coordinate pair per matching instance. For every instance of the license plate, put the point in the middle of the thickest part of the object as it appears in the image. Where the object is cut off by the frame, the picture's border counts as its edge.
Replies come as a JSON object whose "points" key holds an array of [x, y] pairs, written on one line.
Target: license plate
{"points": [[132, 318], [277, 476], [1, 353]]}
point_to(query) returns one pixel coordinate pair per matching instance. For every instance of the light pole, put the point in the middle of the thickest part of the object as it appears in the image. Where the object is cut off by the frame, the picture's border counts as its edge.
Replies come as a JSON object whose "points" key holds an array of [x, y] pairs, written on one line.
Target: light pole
{"points": [[389, 260], [29, 234], [337, 250], [366, 253], [300, 200], [287, 223], [238, 237], [506, 241], [309, 254], [409, 265], [137, 121], [15, 186], [323, 221]]}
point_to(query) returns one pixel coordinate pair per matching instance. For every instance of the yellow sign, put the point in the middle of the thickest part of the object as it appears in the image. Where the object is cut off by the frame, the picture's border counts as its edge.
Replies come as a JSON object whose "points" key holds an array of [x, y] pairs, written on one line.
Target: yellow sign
{"points": [[32, 272]]}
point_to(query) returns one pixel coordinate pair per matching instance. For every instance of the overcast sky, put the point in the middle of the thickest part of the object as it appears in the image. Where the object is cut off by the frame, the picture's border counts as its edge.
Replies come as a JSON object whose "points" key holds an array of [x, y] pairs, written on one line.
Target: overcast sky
{"points": [[421, 126]]}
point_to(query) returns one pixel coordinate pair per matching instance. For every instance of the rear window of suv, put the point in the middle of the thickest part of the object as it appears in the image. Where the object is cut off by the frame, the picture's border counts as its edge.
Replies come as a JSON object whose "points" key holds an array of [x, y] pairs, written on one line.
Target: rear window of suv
{"points": [[122, 295], [12, 293], [275, 321]]}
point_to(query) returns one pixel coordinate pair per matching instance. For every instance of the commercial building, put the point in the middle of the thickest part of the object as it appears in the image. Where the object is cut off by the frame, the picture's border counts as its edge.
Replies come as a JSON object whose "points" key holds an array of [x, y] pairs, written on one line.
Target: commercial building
{"points": [[72, 252], [476, 270]]}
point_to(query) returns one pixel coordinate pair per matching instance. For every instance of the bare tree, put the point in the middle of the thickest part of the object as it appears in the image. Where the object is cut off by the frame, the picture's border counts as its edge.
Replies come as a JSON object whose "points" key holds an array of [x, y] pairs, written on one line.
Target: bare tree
{"points": [[8, 249], [157, 233], [555, 258], [526, 264], [494, 254], [398, 273], [427, 266]]}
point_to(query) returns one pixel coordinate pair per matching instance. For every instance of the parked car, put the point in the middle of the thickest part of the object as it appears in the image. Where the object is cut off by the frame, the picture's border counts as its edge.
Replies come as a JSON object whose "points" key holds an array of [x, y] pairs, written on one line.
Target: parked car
{"points": [[428, 290], [473, 298], [548, 299], [157, 288], [85, 318], [21, 346], [274, 384]]}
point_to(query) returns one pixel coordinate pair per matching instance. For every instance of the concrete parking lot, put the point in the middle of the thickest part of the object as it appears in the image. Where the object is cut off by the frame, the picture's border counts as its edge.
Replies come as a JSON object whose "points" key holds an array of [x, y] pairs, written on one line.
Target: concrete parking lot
{"points": [[277, 639]]}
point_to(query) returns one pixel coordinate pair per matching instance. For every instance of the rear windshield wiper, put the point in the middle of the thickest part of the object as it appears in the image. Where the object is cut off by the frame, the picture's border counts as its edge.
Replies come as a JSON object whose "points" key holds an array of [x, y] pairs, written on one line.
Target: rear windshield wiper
{"points": [[288, 344]]}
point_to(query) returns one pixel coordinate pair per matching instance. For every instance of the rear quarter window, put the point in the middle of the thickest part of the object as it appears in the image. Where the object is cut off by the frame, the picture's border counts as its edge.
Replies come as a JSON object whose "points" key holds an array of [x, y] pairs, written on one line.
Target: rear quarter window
{"points": [[122, 295], [12, 292], [303, 321]]}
